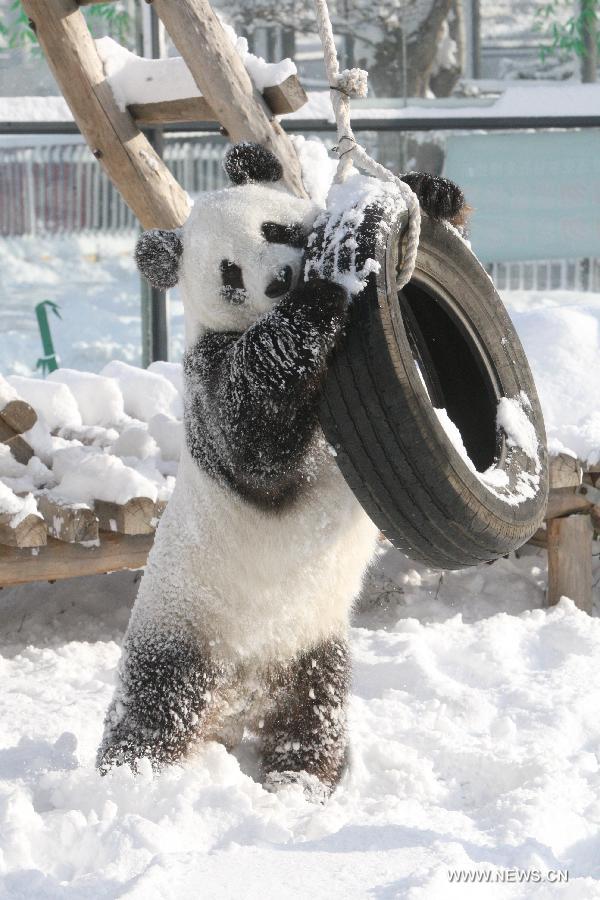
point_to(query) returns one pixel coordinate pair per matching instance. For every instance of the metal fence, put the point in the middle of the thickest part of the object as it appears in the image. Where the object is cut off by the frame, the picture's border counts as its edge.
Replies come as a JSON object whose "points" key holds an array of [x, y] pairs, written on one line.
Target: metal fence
{"points": [[61, 189]]}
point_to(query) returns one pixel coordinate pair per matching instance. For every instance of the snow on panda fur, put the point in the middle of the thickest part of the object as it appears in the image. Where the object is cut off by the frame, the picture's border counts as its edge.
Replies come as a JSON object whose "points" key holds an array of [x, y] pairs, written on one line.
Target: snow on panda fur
{"points": [[242, 614], [241, 618]]}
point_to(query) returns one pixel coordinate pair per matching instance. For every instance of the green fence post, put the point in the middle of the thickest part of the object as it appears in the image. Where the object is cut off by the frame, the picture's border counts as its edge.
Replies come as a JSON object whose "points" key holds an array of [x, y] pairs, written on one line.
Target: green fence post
{"points": [[48, 362]]}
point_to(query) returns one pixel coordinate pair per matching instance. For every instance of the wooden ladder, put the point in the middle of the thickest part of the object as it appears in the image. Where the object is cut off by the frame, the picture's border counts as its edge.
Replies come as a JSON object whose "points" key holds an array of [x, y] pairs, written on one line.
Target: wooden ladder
{"points": [[114, 136]]}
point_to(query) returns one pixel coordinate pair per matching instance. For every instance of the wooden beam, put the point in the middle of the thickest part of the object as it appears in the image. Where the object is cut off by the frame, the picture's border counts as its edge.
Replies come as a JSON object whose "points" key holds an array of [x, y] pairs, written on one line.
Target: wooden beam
{"points": [[282, 98], [133, 166], [570, 561], [565, 502], [191, 109], [222, 79], [61, 560]]}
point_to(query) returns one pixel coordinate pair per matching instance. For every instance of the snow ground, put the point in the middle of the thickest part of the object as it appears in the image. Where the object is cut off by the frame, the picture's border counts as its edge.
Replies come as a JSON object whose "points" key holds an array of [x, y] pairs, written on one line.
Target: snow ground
{"points": [[475, 744]]}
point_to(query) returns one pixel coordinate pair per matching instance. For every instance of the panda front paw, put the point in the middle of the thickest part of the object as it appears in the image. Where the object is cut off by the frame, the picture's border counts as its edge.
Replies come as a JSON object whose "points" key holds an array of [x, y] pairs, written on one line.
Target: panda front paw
{"points": [[323, 294], [439, 197]]}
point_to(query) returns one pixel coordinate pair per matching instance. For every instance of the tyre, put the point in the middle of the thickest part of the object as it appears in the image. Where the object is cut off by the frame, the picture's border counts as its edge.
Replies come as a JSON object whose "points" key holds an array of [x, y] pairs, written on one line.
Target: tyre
{"points": [[455, 488]]}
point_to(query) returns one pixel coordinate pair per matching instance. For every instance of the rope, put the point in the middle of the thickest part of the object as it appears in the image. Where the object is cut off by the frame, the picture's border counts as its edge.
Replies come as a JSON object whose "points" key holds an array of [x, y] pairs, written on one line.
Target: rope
{"points": [[343, 86]]}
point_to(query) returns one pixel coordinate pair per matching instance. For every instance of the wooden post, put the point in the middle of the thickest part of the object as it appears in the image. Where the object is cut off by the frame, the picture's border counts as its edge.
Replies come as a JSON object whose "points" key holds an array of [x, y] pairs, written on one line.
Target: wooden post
{"points": [[569, 541], [135, 169], [220, 74], [570, 560]]}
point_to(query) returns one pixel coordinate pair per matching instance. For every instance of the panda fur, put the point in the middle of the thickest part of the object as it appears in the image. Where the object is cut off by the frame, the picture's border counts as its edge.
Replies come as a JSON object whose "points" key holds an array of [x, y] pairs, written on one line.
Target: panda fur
{"points": [[242, 615]]}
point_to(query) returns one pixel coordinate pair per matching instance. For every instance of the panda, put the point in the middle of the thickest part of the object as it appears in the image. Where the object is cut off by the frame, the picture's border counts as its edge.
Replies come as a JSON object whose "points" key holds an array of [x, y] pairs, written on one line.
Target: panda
{"points": [[242, 615]]}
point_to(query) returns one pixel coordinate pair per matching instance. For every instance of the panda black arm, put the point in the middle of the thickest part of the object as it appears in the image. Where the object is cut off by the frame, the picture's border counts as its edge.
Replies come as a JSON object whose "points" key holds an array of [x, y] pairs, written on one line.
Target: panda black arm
{"points": [[438, 196], [252, 398]]}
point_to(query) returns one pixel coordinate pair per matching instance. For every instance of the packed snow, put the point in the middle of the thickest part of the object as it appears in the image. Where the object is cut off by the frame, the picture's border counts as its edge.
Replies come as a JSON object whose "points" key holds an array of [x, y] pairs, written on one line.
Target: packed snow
{"points": [[134, 79]]}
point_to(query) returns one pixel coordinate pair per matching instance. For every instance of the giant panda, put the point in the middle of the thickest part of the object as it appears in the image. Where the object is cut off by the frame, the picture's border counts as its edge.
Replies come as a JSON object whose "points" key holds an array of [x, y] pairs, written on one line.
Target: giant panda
{"points": [[241, 619]]}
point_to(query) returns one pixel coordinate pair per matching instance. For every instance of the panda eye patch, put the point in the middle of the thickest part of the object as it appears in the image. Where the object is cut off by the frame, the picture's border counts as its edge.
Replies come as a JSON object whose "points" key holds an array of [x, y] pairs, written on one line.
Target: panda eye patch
{"points": [[233, 289], [292, 235]]}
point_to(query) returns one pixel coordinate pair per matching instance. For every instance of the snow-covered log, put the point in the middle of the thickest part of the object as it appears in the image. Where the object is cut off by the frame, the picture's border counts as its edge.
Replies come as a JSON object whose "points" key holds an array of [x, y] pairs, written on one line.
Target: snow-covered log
{"points": [[73, 523], [221, 77], [281, 99]]}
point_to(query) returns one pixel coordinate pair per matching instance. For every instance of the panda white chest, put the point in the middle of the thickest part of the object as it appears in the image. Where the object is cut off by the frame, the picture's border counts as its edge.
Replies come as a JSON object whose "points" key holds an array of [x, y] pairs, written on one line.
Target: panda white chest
{"points": [[255, 585]]}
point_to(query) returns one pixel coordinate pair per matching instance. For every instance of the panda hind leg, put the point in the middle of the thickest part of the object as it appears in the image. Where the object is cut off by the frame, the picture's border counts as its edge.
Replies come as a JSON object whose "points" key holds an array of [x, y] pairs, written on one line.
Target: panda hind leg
{"points": [[166, 699], [304, 736]]}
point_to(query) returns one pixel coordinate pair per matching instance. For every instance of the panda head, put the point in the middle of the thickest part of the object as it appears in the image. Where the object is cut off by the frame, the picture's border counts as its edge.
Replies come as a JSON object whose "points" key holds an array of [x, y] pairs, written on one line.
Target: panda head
{"points": [[239, 252]]}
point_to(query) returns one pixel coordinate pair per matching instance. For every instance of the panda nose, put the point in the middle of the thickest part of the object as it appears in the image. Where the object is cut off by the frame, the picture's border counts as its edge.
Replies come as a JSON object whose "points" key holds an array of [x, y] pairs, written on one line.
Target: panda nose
{"points": [[280, 284]]}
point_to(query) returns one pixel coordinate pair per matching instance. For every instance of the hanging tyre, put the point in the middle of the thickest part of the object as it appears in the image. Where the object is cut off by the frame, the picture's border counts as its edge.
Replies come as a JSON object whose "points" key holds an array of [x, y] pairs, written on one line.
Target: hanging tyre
{"points": [[430, 404]]}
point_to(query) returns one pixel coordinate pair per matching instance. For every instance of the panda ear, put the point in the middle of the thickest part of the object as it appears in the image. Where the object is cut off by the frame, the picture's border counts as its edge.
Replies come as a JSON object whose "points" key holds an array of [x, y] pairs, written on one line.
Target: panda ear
{"points": [[157, 255], [251, 162]]}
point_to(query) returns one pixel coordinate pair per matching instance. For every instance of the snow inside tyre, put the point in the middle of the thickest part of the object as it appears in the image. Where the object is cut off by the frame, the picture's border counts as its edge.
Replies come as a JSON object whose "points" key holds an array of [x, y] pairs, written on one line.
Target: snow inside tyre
{"points": [[430, 404]]}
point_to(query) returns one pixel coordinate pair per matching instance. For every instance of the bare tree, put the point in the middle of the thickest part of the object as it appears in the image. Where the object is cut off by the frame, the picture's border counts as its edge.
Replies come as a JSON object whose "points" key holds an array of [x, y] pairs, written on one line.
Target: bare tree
{"points": [[399, 41]]}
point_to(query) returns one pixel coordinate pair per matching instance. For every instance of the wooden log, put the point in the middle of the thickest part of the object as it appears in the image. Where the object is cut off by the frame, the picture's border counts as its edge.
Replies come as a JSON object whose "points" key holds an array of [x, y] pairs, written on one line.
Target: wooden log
{"points": [[19, 448], [565, 471], [18, 416], [286, 97], [222, 79], [281, 98], [61, 560], [29, 532], [570, 561], [72, 524], [133, 166], [137, 516]]}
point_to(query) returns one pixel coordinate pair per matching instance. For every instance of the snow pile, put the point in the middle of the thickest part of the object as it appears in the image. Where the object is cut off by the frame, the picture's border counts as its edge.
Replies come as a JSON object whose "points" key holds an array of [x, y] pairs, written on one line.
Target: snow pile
{"points": [[560, 331], [52, 401], [98, 437], [145, 393], [473, 738], [134, 79], [99, 399], [97, 476]]}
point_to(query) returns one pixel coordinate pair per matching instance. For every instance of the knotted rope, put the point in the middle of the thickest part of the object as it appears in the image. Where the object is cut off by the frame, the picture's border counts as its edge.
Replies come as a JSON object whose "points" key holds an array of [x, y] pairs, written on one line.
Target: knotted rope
{"points": [[343, 86]]}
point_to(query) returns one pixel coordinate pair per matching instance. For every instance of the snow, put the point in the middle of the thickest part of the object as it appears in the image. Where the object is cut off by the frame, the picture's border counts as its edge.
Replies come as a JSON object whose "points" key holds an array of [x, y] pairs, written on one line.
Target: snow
{"points": [[99, 399], [171, 371], [86, 475], [51, 400], [145, 393], [560, 331], [318, 167], [14, 509], [473, 725], [532, 99], [455, 436], [7, 392], [131, 84], [134, 79], [513, 419], [168, 434]]}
